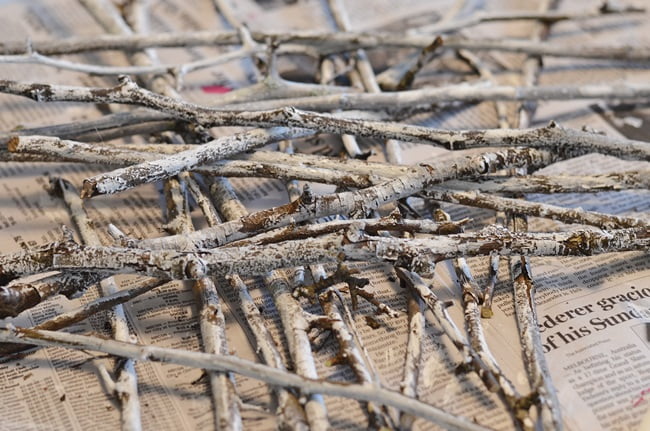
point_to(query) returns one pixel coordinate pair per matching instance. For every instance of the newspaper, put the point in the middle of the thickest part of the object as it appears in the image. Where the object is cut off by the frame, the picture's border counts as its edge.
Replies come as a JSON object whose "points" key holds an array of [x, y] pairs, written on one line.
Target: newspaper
{"points": [[593, 312]]}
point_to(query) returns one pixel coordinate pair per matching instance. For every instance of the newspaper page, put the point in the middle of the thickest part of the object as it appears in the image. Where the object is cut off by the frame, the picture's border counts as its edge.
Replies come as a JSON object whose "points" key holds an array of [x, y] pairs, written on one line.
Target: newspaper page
{"points": [[593, 312]]}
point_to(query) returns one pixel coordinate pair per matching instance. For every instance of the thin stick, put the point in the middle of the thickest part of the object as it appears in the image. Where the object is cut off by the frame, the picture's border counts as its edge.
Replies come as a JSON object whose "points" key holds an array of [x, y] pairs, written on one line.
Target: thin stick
{"points": [[543, 16], [418, 253], [358, 203], [294, 319], [413, 355], [125, 386], [233, 364], [571, 140], [471, 295], [567, 215], [324, 43], [533, 351], [471, 359]]}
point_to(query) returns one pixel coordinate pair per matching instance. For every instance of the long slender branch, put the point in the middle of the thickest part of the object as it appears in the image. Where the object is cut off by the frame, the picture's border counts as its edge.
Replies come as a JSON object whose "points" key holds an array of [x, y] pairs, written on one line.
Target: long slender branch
{"points": [[471, 299], [222, 363], [367, 74], [126, 383], [211, 318], [413, 355], [567, 215], [127, 92], [354, 173], [294, 320], [254, 260], [358, 203], [533, 352], [289, 410], [66, 150], [555, 184], [325, 43], [543, 16], [349, 349], [111, 126]]}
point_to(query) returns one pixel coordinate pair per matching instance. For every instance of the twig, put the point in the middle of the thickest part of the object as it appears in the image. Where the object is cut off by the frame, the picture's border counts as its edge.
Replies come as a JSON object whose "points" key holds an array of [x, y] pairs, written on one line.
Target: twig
{"points": [[126, 384], [179, 70], [543, 16], [324, 43], [567, 215], [533, 352], [296, 327], [293, 318], [289, 411], [233, 364], [365, 71], [349, 350], [471, 300], [254, 260], [356, 203], [571, 141], [413, 356], [555, 184], [111, 126], [116, 156], [211, 319], [470, 359], [372, 226]]}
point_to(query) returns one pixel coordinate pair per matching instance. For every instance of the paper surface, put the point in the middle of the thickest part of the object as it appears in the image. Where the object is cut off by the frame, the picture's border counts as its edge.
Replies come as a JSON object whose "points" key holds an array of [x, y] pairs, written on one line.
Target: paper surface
{"points": [[594, 312]]}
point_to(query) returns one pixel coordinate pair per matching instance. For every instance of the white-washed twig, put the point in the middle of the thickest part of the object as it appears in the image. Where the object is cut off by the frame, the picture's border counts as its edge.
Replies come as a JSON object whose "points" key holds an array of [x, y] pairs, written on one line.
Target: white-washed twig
{"points": [[566, 140], [555, 184], [365, 71], [354, 173], [484, 72], [533, 353], [470, 359], [212, 322], [84, 311], [357, 203], [543, 16], [105, 128], [350, 143], [372, 226], [349, 350], [179, 70], [296, 326], [66, 150], [537, 209], [324, 43], [352, 245], [233, 364], [294, 319], [471, 300], [126, 383], [166, 167], [289, 411], [413, 355]]}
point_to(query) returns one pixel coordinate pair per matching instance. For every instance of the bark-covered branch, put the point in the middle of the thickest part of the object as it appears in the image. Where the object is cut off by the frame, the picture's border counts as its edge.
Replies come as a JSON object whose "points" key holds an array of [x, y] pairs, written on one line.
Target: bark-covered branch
{"points": [[233, 364]]}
